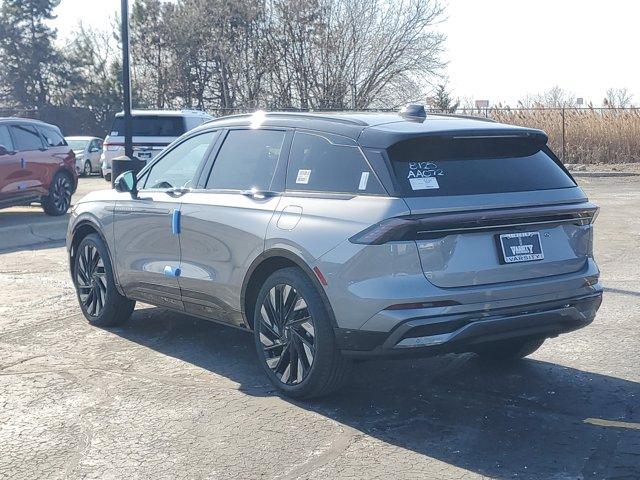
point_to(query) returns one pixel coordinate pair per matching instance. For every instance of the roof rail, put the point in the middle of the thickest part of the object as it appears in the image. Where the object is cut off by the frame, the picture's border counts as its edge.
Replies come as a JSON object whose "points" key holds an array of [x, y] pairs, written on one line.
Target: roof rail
{"points": [[309, 115], [468, 117]]}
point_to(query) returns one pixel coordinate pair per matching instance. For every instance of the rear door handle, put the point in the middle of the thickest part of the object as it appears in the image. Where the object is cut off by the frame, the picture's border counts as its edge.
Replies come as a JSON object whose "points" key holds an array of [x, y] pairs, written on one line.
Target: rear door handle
{"points": [[259, 194], [177, 192]]}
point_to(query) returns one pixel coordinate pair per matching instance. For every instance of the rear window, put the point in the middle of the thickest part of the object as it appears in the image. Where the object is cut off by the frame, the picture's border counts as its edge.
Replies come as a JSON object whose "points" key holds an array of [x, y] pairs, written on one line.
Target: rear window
{"points": [[150, 126], [52, 137], [469, 166]]}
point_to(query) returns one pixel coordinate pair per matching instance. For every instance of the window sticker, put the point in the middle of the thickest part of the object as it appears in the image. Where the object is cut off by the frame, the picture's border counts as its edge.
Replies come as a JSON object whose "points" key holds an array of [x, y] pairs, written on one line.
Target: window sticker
{"points": [[303, 176], [364, 179], [113, 134], [424, 183], [424, 169]]}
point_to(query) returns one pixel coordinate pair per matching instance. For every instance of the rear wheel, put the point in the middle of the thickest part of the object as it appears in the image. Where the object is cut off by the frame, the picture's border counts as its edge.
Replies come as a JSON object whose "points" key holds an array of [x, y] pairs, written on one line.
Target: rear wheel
{"points": [[510, 349], [59, 198], [100, 301], [294, 337], [87, 168]]}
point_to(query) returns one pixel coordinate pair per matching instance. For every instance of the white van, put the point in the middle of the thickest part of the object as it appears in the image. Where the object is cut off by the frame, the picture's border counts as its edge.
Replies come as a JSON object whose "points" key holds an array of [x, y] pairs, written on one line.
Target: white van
{"points": [[152, 131]]}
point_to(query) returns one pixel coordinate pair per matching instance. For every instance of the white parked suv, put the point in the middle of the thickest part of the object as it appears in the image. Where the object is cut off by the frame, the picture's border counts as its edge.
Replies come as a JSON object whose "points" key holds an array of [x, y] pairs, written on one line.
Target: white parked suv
{"points": [[152, 131]]}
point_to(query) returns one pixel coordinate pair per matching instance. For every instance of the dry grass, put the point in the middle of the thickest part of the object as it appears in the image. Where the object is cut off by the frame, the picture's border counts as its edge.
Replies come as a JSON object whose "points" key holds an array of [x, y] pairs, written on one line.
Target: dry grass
{"points": [[591, 135]]}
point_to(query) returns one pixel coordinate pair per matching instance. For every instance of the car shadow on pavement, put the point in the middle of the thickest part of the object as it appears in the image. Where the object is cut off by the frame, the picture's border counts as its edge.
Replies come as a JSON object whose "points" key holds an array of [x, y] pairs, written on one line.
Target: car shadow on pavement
{"points": [[530, 419]]}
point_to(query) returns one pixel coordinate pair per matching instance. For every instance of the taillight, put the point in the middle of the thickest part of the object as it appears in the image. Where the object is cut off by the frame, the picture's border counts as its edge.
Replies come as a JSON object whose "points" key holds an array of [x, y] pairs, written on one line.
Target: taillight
{"points": [[113, 147]]}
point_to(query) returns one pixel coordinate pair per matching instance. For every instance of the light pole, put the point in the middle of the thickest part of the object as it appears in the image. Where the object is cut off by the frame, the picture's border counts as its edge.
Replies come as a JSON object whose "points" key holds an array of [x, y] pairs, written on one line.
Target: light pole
{"points": [[126, 80]]}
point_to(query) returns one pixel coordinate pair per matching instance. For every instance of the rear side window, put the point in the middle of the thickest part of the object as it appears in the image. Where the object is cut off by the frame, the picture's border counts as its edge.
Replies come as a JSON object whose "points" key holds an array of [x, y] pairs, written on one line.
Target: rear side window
{"points": [[426, 167], [320, 164], [247, 159], [150, 126], [5, 138], [52, 137], [26, 137]]}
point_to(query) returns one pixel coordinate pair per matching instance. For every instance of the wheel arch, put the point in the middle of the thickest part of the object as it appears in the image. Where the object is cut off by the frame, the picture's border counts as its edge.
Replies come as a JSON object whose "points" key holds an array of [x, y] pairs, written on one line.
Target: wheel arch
{"points": [[263, 266]]}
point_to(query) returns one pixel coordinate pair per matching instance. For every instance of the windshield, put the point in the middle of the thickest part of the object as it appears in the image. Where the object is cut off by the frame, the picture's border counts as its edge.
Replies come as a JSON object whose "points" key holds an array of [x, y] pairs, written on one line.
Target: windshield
{"points": [[77, 144], [150, 126], [469, 166]]}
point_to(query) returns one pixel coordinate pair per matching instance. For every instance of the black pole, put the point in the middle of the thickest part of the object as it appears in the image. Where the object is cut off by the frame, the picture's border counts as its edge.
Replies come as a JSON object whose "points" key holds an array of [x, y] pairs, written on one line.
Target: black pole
{"points": [[126, 80]]}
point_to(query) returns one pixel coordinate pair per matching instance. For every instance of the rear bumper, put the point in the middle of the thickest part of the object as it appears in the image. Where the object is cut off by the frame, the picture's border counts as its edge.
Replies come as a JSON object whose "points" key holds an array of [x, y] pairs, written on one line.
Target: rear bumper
{"points": [[463, 332]]}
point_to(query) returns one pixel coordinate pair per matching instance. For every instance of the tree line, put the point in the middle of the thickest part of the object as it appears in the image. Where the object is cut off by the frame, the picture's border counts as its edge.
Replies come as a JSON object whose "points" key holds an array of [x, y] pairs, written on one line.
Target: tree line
{"points": [[224, 56]]}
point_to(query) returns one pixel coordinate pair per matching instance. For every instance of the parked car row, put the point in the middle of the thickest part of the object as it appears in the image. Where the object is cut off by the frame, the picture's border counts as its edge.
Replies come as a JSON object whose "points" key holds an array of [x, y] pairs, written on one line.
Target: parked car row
{"points": [[38, 164]]}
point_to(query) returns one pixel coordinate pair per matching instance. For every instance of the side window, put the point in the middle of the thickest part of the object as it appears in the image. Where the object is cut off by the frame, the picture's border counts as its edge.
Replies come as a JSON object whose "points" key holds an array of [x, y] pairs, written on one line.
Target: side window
{"points": [[52, 137], [319, 165], [5, 138], [26, 137], [95, 145], [177, 168], [246, 160]]}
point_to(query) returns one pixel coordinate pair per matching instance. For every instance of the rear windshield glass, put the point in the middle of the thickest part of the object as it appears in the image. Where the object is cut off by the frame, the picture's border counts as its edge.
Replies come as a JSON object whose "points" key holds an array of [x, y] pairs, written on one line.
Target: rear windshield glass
{"points": [[465, 166], [150, 126]]}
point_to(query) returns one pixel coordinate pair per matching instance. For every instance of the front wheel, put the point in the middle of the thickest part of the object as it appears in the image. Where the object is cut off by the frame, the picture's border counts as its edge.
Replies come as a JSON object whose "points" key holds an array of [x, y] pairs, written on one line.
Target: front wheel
{"points": [[100, 301], [87, 168], [294, 337], [59, 199]]}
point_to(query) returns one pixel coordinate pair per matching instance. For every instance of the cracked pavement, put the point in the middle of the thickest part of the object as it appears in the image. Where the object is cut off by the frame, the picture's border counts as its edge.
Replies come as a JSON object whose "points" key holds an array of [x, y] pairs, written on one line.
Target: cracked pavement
{"points": [[171, 397]]}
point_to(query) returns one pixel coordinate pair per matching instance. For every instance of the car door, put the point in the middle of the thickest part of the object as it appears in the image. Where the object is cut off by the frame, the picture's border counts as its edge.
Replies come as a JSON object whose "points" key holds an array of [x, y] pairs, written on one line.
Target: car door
{"points": [[33, 159], [147, 228], [9, 163], [225, 219]]}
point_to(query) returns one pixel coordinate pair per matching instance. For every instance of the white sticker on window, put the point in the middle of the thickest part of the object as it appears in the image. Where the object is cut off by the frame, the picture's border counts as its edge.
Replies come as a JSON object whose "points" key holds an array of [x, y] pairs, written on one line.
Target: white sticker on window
{"points": [[424, 183], [364, 179], [113, 134], [303, 176]]}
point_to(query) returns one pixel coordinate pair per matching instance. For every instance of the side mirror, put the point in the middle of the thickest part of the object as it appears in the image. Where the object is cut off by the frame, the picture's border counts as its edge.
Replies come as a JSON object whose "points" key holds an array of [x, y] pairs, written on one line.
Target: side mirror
{"points": [[94, 150], [126, 182], [3, 150]]}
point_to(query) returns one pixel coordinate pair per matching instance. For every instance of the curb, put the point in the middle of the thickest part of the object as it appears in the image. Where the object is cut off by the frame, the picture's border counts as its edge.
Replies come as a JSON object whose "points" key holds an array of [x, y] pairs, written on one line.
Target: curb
{"points": [[19, 236]]}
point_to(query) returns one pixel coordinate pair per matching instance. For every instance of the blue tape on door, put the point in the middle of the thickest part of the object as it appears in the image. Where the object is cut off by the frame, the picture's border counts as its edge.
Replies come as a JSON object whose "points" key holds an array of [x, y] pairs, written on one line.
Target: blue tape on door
{"points": [[175, 222], [170, 271]]}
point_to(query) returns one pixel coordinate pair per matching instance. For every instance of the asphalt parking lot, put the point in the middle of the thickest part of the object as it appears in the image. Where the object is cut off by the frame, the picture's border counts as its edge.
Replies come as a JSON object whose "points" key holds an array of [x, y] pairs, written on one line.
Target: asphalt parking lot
{"points": [[168, 396]]}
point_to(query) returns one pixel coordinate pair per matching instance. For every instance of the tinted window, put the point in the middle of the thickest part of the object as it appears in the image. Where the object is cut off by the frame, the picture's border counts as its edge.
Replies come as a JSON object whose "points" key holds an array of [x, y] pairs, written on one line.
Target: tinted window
{"points": [[247, 159], [5, 138], [151, 126], [436, 167], [51, 137], [319, 164], [26, 137], [177, 168]]}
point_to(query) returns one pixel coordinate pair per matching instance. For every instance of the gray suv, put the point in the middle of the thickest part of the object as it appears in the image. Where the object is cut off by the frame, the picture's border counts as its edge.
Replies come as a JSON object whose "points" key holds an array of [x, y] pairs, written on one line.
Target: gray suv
{"points": [[342, 236]]}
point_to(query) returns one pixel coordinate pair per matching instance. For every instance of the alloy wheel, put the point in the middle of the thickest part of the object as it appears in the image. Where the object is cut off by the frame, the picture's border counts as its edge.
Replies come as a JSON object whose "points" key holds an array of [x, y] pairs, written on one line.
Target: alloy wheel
{"points": [[87, 169], [61, 193], [287, 334], [91, 280]]}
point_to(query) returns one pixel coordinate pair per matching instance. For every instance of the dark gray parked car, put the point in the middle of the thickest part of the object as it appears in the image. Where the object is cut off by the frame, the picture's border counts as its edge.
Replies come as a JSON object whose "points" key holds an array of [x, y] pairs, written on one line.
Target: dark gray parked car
{"points": [[334, 236]]}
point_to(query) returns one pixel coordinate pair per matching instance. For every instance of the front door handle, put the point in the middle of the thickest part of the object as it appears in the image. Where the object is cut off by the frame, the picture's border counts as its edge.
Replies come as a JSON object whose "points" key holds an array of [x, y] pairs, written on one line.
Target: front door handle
{"points": [[177, 192]]}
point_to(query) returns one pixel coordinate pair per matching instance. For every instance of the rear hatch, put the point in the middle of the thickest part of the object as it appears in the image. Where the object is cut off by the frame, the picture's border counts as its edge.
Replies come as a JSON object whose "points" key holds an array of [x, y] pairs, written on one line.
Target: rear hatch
{"points": [[151, 133], [489, 209]]}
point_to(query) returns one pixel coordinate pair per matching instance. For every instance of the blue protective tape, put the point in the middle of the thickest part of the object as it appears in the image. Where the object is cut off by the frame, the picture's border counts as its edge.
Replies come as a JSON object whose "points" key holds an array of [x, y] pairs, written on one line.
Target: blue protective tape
{"points": [[170, 271], [175, 222]]}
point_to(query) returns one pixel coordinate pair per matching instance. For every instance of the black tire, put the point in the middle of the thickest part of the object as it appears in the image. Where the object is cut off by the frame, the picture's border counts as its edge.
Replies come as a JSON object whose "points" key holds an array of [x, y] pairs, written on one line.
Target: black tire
{"points": [[510, 349], [93, 276], [302, 332], [107, 177], [87, 169], [59, 199]]}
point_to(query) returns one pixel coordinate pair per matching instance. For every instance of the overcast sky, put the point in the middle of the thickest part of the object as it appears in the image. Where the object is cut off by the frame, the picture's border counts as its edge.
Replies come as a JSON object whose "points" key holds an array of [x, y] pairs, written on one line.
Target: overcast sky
{"points": [[503, 50]]}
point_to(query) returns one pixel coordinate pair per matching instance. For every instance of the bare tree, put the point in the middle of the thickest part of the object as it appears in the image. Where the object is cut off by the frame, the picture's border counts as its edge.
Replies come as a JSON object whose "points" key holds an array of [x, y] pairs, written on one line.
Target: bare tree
{"points": [[618, 98]]}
